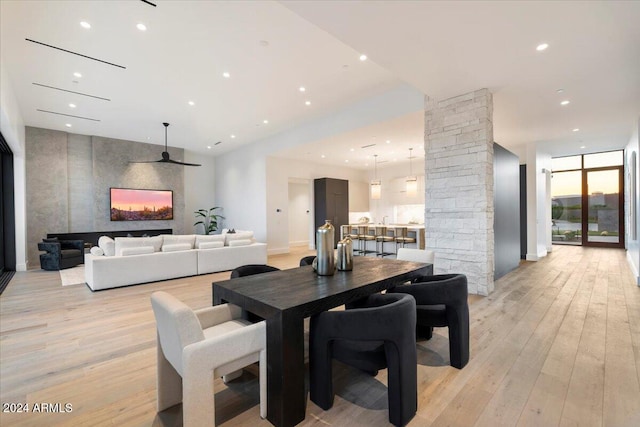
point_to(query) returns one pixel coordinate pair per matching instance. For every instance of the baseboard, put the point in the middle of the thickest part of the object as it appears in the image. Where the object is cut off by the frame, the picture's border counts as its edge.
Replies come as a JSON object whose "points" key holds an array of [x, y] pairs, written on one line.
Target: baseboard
{"points": [[633, 268], [21, 267], [532, 257], [299, 243]]}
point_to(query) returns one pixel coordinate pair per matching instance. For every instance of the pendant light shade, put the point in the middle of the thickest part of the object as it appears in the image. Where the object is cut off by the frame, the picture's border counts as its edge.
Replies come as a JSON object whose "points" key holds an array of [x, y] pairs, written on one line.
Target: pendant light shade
{"points": [[412, 181], [376, 185]]}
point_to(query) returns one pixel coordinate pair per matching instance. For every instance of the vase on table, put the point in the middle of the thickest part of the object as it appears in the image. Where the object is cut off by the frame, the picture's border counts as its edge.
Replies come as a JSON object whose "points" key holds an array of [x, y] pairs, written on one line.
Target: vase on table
{"points": [[325, 262]]}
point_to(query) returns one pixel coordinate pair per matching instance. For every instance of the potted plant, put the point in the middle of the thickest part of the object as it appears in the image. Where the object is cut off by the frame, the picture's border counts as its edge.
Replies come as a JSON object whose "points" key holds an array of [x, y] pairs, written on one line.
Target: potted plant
{"points": [[208, 219]]}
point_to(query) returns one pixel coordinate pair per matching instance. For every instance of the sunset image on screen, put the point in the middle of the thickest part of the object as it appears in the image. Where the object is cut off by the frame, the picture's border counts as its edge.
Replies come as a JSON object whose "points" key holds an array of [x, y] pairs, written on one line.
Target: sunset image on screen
{"points": [[141, 205]]}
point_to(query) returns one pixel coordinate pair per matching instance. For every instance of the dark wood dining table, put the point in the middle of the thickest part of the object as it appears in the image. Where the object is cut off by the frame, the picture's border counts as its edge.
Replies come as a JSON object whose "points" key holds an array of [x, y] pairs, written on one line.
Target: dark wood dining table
{"points": [[285, 298]]}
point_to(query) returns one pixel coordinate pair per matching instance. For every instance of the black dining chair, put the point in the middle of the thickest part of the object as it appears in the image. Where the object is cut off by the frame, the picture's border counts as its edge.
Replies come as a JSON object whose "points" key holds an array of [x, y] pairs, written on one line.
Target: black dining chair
{"points": [[441, 300], [251, 269], [308, 260], [377, 333]]}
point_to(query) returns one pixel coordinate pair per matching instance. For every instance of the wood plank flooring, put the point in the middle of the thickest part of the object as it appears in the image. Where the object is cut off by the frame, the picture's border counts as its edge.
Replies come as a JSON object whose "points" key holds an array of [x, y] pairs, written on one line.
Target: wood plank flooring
{"points": [[556, 344]]}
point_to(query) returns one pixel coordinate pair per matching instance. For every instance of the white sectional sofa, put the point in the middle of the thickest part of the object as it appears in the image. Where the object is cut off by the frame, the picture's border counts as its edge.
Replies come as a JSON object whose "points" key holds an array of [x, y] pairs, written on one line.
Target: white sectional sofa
{"points": [[135, 260]]}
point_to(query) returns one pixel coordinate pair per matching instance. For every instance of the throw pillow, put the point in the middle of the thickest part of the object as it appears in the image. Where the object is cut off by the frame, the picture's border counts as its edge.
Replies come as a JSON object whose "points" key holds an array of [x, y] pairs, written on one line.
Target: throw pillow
{"points": [[244, 235], [176, 247], [108, 245], [134, 242], [96, 251], [231, 231], [240, 242], [137, 250], [172, 239], [208, 238], [210, 245]]}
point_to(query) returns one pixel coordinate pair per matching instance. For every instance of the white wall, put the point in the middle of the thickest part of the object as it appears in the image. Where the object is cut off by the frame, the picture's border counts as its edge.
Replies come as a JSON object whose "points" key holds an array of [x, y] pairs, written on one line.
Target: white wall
{"points": [[241, 177], [199, 188], [12, 128], [633, 245], [393, 180], [279, 173], [538, 203]]}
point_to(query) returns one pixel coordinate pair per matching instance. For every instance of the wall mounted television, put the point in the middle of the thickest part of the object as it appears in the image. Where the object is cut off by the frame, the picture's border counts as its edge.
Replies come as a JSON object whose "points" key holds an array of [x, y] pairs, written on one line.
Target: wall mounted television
{"points": [[129, 204]]}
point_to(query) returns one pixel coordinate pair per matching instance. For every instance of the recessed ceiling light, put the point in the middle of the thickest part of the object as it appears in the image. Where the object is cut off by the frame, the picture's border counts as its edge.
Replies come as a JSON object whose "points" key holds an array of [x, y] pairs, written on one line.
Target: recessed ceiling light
{"points": [[265, 121], [565, 102], [542, 46], [68, 125], [226, 75], [363, 57], [76, 74], [352, 150], [323, 156], [233, 136], [302, 89], [560, 90], [72, 105], [307, 103], [395, 160], [346, 161], [576, 129], [264, 43], [388, 141], [208, 147], [192, 103], [85, 24], [148, 137], [141, 26], [366, 164], [583, 146]]}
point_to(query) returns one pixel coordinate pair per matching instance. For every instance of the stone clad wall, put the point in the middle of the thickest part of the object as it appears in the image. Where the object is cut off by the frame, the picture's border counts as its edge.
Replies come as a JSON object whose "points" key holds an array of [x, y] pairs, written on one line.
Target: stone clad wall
{"points": [[459, 186]]}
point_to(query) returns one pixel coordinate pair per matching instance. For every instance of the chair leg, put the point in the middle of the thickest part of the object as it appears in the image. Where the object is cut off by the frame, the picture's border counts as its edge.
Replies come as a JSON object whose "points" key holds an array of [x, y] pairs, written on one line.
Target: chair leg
{"points": [[198, 399], [263, 384], [168, 382], [424, 332], [402, 384], [458, 336]]}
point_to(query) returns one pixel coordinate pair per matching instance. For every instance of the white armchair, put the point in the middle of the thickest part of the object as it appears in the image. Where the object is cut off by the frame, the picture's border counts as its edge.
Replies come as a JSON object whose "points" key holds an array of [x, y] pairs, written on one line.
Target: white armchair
{"points": [[416, 255], [194, 347]]}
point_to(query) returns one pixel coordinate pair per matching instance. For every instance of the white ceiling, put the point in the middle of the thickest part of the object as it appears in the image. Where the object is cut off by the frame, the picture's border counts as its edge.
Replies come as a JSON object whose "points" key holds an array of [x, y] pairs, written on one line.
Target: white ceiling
{"points": [[441, 48]]}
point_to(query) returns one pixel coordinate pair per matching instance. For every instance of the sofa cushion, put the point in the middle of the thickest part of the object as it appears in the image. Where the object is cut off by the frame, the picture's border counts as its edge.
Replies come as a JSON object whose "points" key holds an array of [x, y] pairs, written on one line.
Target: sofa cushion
{"points": [[210, 245], [172, 239], [136, 250], [176, 247], [136, 242], [108, 245], [208, 238], [96, 251], [240, 242], [239, 235]]}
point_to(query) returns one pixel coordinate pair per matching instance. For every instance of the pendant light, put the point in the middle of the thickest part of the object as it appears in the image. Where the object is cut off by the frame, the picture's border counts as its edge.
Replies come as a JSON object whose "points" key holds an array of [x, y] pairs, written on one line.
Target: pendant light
{"points": [[412, 181], [376, 185]]}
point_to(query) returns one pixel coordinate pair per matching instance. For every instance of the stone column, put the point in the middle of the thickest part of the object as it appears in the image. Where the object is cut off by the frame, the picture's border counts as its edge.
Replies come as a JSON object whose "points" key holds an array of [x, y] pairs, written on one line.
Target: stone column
{"points": [[459, 186]]}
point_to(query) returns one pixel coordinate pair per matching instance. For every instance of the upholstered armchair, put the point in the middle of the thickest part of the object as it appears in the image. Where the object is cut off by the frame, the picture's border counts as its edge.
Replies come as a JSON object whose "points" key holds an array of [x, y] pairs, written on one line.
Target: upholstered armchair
{"points": [[251, 269], [194, 347], [441, 300], [377, 333], [61, 254], [308, 260]]}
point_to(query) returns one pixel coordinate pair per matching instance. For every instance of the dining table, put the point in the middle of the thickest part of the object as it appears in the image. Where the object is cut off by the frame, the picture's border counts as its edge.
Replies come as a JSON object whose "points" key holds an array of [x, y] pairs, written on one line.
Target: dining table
{"points": [[285, 298]]}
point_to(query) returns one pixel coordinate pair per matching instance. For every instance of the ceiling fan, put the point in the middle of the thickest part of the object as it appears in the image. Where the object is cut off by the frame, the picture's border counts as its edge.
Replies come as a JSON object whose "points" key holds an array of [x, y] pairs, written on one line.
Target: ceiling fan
{"points": [[165, 154]]}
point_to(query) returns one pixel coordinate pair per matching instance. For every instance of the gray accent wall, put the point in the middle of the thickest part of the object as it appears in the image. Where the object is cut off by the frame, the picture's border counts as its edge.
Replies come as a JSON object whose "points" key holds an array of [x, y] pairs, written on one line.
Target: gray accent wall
{"points": [[506, 199], [68, 177]]}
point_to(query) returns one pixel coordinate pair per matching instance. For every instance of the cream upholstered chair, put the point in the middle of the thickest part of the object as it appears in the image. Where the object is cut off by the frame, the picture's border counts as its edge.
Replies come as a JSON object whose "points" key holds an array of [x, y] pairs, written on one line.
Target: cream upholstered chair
{"points": [[416, 255], [194, 347]]}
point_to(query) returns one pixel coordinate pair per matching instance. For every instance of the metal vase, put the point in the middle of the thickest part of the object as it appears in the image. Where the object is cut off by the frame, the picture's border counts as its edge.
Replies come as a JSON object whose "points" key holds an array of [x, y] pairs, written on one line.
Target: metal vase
{"points": [[345, 254], [325, 261]]}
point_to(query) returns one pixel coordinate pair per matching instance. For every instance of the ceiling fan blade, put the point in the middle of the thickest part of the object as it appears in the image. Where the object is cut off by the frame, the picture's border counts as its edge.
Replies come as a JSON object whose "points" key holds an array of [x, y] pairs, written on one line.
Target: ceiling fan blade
{"points": [[175, 162], [149, 161]]}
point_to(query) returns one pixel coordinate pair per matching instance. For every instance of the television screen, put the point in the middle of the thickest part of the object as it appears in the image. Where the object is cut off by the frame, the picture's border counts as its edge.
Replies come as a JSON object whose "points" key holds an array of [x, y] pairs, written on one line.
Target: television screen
{"points": [[141, 205]]}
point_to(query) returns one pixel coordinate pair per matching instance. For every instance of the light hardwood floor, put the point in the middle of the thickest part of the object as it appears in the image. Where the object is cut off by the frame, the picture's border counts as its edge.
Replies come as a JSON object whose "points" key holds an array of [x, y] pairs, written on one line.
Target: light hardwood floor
{"points": [[557, 343]]}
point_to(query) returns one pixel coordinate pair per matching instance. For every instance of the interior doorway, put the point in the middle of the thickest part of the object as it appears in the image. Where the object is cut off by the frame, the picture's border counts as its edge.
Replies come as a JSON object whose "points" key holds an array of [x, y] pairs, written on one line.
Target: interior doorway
{"points": [[299, 212], [588, 200]]}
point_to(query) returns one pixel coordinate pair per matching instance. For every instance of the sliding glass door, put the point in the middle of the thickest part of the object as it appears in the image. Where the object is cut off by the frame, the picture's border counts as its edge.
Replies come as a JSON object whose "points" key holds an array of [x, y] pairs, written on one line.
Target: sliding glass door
{"points": [[604, 209], [587, 200]]}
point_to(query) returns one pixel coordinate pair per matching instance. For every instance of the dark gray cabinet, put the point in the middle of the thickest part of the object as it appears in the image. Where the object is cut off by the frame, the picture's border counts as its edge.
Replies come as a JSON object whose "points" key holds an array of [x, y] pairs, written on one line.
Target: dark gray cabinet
{"points": [[331, 201]]}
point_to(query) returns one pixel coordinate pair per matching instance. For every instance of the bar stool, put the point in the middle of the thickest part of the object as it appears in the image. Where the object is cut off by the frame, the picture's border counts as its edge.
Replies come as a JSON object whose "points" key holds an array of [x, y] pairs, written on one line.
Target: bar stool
{"points": [[363, 237], [382, 236], [402, 238]]}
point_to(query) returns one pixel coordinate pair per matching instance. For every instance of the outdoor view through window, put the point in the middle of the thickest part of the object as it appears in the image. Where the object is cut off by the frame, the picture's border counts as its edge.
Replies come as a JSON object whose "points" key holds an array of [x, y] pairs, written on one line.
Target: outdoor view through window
{"points": [[597, 180]]}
